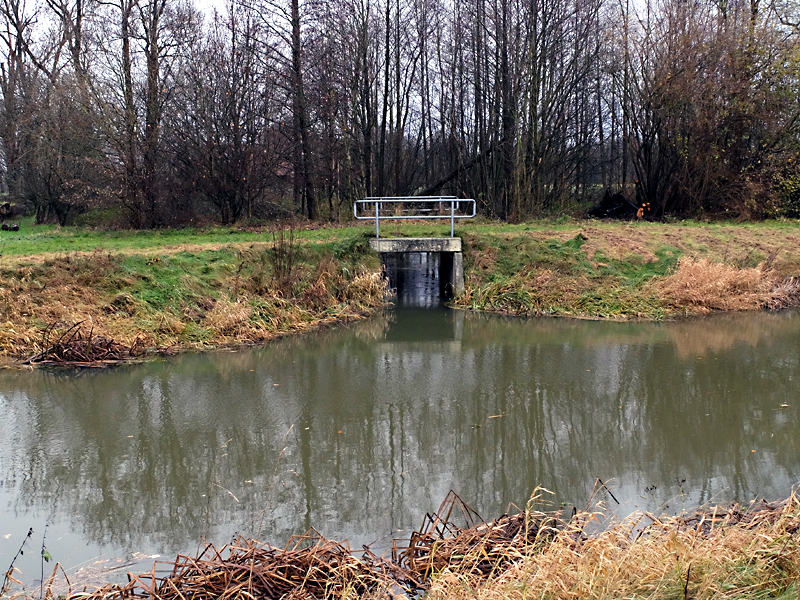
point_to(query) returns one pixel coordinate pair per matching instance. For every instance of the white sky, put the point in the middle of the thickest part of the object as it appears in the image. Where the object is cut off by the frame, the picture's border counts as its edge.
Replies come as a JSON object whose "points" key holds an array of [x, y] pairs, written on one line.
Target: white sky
{"points": [[208, 6]]}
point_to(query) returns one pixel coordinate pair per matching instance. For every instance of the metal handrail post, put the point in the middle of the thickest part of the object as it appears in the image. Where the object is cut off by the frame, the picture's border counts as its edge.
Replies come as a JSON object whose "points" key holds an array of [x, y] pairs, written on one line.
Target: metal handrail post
{"points": [[377, 221], [452, 216]]}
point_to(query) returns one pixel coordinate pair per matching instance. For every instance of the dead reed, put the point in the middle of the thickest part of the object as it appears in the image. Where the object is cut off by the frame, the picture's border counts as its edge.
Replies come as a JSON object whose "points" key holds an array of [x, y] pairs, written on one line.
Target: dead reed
{"points": [[703, 286], [734, 552], [716, 553]]}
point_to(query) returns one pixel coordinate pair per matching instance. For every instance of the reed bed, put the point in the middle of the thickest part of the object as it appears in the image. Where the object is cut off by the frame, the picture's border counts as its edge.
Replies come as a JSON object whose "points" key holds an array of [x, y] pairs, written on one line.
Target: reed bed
{"points": [[704, 286], [718, 553], [721, 553]]}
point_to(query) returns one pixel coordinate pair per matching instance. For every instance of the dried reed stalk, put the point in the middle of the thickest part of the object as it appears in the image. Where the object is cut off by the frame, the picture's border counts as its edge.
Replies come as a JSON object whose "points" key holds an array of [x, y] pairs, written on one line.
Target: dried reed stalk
{"points": [[704, 286], [715, 553]]}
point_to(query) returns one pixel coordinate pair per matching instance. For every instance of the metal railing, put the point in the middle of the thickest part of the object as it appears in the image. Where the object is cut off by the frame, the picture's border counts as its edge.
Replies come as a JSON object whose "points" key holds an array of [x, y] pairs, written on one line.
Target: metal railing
{"points": [[414, 207]]}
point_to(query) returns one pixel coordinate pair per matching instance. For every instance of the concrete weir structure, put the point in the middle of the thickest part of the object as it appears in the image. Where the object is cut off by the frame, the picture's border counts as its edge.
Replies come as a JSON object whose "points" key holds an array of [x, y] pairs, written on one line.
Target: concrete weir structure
{"points": [[451, 260], [416, 267]]}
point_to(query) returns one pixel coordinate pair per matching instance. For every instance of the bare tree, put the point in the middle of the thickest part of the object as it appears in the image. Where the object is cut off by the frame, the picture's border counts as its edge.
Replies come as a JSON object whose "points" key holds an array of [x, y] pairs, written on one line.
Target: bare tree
{"points": [[226, 150]]}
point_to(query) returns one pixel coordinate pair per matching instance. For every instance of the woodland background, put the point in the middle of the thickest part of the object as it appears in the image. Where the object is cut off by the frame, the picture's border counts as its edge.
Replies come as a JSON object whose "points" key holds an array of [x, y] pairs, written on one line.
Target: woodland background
{"points": [[152, 113]]}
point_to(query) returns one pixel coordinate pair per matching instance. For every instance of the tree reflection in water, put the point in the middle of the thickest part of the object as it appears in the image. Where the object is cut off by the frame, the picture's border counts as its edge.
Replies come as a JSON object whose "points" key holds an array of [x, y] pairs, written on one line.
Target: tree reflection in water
{"points": [[360, 431]]}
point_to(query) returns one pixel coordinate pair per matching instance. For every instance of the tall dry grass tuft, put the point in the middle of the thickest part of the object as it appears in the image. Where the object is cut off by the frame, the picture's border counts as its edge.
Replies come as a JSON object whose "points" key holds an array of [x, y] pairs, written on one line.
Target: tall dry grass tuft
{"points": [[229, 318], [645, 557], [367, 289], [703, 286]]}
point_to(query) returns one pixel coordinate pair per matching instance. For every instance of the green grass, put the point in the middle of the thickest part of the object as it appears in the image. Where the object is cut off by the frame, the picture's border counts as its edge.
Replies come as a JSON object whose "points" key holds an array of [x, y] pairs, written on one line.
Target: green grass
{"points": [[49, 239], [38, 239], [602, 287], [34, 240], [193, 297], [634, 270]]}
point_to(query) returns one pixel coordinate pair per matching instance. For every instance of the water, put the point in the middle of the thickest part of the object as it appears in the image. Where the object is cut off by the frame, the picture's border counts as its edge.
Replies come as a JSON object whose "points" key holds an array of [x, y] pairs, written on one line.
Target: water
{"points": [[359, 431]]}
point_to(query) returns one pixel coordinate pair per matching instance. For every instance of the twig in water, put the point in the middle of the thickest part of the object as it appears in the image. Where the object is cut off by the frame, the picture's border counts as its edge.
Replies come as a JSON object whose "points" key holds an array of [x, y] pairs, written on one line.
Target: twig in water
{"points": [[45, 558], [610, 493], [594, 491], [8, 575], [230, 493]]}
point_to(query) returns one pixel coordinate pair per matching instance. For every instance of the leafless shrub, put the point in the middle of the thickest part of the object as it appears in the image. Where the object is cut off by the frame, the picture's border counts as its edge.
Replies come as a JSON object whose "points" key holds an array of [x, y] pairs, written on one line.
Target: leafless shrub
{"points": [[785, 294], [282, 259]]}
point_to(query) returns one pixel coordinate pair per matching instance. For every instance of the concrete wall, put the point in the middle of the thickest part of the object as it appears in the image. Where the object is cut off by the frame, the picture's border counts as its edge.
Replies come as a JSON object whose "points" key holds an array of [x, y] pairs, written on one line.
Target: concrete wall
{"points": [[451, 259]]}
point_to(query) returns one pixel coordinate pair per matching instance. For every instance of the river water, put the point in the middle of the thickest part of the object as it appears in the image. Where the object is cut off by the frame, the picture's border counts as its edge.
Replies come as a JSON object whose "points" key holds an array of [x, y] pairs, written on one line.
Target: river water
{"points": [[358, 431]]}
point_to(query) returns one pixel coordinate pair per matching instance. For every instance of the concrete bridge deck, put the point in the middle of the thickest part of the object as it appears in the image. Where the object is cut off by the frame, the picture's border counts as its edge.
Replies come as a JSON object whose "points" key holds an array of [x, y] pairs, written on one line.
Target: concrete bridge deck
{"points": [[451, 244]]}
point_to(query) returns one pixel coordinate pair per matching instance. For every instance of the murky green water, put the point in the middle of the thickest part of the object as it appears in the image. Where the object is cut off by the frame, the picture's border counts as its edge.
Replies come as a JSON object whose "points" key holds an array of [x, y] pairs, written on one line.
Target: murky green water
{"points": [[360, 431]]}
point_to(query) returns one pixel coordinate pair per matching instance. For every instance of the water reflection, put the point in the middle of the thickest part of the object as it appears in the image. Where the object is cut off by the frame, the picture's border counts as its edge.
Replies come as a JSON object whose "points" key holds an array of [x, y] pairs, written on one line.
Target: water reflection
{"points": [[359, 432]]}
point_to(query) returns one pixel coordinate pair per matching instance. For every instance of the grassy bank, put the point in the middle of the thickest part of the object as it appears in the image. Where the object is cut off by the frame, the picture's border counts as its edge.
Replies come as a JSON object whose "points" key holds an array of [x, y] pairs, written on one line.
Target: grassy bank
{"points": [[631, 270], [201, 288], [179, 290]]}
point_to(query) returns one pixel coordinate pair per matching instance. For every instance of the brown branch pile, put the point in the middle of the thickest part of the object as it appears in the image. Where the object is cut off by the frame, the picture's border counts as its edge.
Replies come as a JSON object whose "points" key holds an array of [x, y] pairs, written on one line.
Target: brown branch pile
{"points": [[73, 348], [785, 294], [309, 567], [477, 548], [312, 567]]}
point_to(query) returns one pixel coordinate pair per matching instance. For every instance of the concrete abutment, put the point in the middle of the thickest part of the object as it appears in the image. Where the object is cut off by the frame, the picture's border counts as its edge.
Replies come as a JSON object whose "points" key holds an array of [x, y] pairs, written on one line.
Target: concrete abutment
{"points": [[451, 259]]}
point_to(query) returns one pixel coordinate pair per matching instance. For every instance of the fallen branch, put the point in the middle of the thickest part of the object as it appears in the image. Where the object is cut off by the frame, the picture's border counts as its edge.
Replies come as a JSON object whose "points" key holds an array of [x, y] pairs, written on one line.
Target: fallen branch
{"points": [[74, 349]]}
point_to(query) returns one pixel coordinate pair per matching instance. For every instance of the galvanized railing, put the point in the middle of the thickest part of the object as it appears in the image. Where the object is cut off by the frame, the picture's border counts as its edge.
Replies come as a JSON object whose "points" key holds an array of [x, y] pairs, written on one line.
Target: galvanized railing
{"points": [[385, 208]]}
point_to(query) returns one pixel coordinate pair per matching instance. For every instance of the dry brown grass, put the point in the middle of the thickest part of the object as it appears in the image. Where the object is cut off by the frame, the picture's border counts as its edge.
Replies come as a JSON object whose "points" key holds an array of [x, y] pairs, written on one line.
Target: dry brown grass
{"points": [[242, 306], [330, 297], [483, 260], [703, 286], [649, 558], [229, 318], [367, 289], [28, 303], [255, 317]]}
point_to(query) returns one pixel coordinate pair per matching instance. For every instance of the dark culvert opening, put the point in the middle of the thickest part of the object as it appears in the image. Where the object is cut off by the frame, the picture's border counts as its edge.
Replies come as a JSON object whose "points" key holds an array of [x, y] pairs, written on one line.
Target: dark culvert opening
{"points": [[419, 279]]}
